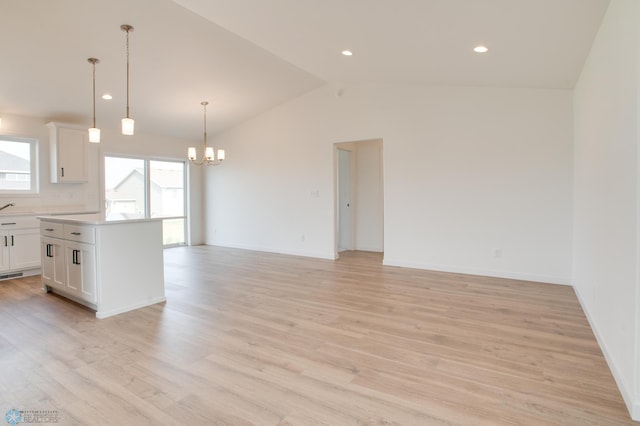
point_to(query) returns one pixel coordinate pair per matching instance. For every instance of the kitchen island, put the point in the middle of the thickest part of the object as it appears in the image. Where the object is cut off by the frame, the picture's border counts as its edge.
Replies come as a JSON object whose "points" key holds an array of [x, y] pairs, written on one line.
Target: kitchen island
{"points": [[112, 265]]}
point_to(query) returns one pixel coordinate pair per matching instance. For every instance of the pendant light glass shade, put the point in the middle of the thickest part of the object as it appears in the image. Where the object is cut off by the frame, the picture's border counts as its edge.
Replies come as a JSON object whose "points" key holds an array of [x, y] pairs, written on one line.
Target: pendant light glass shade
{"points": [[127, 126], [127, 122], [94, 132], [94, 135]]}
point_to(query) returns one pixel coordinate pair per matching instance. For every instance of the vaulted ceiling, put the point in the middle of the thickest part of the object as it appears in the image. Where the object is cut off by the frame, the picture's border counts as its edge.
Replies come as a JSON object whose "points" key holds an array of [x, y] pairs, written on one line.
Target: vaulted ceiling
{"points": [[246, 56]]}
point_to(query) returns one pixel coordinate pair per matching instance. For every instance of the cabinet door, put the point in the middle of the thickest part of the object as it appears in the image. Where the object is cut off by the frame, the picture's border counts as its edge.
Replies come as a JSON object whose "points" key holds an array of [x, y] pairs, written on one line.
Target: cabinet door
{"points": [[68, 154], [4, 251], [81, 270], [24, 247], [53, 263]]}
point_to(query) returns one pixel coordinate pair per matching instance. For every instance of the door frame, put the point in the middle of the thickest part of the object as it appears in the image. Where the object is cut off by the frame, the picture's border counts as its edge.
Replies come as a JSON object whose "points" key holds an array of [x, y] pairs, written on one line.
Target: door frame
{"points": [[353, 147]]}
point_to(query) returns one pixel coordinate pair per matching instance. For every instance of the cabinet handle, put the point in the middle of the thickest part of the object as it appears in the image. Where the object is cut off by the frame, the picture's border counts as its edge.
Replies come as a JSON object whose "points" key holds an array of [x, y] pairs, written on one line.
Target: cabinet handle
{"points": [[49, 250], [8, 223], [49, 229], [62, 168], [5, 241], [76, 233], [75, 258], [12, 240]]}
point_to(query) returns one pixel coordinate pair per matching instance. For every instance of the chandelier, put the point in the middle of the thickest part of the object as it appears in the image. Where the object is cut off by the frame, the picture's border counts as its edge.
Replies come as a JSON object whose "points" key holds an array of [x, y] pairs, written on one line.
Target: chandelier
{"points": [[208, 158]]}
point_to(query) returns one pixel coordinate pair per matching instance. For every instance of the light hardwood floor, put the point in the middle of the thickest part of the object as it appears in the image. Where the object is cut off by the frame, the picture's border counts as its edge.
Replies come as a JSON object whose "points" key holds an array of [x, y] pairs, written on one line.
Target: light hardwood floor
{"points": [[257, 338]]}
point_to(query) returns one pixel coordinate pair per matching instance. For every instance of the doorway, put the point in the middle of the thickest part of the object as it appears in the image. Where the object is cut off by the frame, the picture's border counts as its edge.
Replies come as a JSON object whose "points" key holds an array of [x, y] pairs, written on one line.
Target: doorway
{"points": [[359, 197]]}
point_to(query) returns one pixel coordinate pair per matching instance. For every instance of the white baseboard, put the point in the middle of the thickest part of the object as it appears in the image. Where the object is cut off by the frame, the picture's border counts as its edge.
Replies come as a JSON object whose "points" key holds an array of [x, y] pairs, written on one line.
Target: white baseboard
{"points": [[318, 255], [632, 402], [480, 272], [105, 314]]}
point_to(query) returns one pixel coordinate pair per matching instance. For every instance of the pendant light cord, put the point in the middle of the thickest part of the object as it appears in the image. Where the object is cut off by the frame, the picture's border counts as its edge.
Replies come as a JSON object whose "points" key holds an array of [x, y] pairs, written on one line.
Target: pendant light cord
{"points": [[128, 73], [204, 104], [94, 93], [94, 61]]}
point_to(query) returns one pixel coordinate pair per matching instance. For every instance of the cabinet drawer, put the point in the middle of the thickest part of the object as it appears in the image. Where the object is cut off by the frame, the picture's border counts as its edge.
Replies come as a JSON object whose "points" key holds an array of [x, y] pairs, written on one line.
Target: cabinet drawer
{"points": [[13, 222], [81, 234], [51, 229]]}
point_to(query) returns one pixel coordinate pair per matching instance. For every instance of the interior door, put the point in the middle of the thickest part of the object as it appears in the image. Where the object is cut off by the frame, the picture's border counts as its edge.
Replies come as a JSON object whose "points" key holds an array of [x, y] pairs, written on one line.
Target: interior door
{"points": [[345, 210]]}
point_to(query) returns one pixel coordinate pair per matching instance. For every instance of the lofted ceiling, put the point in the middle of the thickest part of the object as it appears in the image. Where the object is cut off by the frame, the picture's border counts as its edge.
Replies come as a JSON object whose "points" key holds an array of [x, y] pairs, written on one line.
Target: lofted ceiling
{"points": [[246, 56]]}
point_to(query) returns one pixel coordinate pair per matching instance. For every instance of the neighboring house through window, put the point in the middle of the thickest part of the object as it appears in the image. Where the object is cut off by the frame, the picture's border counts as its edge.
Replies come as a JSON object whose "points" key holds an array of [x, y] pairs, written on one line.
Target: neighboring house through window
{"points": [[18, 172]]}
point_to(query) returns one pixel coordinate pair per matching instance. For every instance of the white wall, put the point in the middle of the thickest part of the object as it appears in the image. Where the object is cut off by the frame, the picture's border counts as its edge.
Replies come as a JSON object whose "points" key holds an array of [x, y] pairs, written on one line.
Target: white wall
{"points": [[467, 171], [606, 274], [89, 196]]}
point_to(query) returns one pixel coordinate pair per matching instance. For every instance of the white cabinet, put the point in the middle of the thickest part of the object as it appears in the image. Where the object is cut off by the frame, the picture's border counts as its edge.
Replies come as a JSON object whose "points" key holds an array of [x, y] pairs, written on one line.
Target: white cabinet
{"points": [[68, 260], [53, 263], [110, 266], [81, 270], [68, 151], [19, 244]]}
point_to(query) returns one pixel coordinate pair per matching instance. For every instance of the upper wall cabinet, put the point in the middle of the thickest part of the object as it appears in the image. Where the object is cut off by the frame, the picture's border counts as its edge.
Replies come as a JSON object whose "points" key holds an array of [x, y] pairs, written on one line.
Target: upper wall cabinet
{"points": [[68, 149]]}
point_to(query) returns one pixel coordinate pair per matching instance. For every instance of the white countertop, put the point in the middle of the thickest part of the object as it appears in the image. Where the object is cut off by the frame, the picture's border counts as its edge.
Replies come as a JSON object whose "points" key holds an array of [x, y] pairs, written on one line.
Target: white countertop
{"points": [[95, 219], [40, 212]]}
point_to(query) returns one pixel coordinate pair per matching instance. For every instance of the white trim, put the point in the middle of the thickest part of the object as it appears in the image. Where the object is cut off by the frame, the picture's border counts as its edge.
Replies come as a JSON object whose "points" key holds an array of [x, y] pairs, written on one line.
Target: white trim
{"points": [[370, 248], [481, 272], [318, 255], [632, 403], [112, 312]]}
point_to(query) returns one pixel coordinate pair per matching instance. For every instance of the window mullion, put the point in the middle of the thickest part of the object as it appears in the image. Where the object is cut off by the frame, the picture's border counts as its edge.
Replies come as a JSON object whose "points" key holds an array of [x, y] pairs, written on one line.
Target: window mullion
{"points": [[147, 188]]}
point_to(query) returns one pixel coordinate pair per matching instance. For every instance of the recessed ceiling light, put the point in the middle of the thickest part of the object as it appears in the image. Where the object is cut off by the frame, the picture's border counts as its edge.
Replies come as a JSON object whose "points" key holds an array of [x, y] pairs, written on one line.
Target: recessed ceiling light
{"points": [[347, 53], [107, 96], [480, 49]]}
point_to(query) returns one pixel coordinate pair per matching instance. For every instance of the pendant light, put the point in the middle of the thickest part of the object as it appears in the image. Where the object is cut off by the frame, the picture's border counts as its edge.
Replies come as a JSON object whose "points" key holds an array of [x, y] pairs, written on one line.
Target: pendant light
{"points": [[208, 159], [94, 132], [127, 122]]}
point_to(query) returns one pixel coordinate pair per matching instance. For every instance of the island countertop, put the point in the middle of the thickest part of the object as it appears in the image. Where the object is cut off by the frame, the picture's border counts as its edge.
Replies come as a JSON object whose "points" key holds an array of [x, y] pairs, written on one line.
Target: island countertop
{"points": [[94, 219]]}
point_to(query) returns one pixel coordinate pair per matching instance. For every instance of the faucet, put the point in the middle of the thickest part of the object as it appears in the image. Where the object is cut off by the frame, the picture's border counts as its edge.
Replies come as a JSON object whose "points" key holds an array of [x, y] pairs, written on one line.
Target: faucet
{"points": [[7, 205]]}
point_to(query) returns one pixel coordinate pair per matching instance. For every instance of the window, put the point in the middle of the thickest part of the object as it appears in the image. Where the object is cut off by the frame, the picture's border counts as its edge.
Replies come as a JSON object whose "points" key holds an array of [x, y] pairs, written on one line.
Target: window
{"points": [[137, 188], [18, 165]]}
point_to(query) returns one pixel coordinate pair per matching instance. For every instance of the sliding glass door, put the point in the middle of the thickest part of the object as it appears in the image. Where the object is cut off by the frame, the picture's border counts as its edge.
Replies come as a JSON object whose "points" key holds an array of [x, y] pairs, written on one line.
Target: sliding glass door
{"points": [[139, 187], [167, 199]]}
